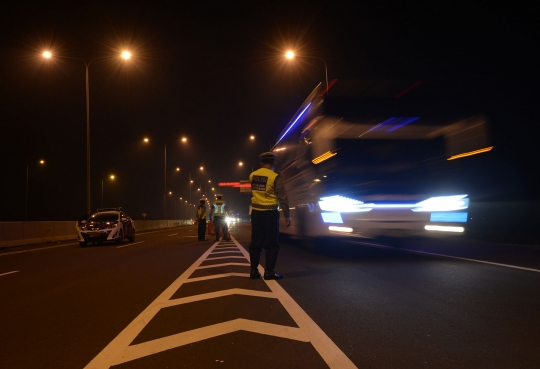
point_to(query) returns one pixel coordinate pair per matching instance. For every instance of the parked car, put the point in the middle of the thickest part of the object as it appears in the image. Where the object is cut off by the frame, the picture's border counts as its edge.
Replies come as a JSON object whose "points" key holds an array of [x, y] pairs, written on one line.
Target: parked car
{"points": [[109, 224]]}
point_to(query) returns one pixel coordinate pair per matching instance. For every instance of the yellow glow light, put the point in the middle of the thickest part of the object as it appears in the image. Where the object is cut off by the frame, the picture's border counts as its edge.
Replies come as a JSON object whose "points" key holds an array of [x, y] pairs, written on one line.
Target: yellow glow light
{"points": [[470, 153], [240, 163], [327, 155], [251, 137], [177, 169], [146, 139], [289, 54], [126, 54], [201, 168], [47, 54], [184, 139], [170, 193], [42, 162]]}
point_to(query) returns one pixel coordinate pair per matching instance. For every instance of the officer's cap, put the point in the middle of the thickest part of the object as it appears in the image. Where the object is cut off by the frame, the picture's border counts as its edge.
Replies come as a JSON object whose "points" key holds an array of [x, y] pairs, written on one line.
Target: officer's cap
{"points": [[202, 199], [266, 156], [219, 195]]}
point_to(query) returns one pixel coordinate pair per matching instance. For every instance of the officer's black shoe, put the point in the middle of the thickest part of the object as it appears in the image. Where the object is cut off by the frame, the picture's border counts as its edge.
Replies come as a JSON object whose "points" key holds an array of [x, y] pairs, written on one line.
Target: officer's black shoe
{"points": [[254, 274], [217, 240], [269, 274], [227, 239]]}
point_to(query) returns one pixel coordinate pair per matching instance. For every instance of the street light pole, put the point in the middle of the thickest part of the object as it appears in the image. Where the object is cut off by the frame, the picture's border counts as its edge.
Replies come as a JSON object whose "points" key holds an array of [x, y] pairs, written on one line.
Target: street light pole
{"points": [[165, 182], [290, 55], [88, 201], [125, 55]]}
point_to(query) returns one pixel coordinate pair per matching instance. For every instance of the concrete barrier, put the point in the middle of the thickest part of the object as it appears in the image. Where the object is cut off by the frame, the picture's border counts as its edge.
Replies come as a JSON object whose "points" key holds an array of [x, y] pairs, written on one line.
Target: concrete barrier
{"points": [[26, 233]]}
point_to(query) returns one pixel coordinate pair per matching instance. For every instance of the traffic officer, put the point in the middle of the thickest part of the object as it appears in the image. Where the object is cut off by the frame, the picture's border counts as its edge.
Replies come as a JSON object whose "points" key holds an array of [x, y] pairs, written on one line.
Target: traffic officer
{"points": [[201, 220], [268, 195], [219, 213]]}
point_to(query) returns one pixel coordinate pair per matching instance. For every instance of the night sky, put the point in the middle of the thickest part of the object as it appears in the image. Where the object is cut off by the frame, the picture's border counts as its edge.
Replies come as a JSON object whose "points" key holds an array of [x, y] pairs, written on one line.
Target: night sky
{"points": [[214, 72]]}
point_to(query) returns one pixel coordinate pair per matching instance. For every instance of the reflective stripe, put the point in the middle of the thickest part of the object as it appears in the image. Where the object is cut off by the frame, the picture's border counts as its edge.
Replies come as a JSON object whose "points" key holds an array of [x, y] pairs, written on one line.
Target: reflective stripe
{"points": [[262, 189], [219, 208], [264, 207]]}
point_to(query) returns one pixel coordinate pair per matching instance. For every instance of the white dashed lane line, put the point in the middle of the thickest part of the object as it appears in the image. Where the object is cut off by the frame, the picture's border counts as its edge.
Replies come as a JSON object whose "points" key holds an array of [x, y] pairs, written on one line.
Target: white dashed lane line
{"points": [[174, 234], [446, 256], [129, 244], [3, 274]]}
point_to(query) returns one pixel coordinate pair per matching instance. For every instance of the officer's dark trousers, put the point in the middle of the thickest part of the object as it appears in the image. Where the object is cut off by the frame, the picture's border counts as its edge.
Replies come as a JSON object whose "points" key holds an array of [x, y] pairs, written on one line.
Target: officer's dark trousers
{"points": [[201, 229], [219, 222], [264, 235]]}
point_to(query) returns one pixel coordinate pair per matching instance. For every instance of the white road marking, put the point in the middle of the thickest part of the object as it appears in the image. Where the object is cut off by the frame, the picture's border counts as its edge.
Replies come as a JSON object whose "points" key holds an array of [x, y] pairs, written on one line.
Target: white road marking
{"points": [[185, 338], [227, 252], [38, 249], [226, 257], [188, 236], [220, 265], [222, 293], [120, 350], [129, 244], [174, 234], [449, 256], [15, 271]]}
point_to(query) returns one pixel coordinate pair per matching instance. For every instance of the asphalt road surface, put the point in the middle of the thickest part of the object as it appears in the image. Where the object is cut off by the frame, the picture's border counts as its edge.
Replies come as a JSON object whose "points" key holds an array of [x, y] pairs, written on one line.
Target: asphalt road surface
{"points": [[169, 301]]}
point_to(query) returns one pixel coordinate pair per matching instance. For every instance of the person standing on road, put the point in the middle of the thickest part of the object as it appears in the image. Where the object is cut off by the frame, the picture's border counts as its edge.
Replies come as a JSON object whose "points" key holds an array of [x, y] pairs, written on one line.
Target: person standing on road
{"points": [[219, 213], [268, 195], [201, 220]]}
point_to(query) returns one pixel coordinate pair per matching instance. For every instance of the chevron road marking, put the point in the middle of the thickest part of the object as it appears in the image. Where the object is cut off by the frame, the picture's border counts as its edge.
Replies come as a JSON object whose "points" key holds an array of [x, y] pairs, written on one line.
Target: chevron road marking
{"points": [[223, 264], [226, 257], [120, 350]]}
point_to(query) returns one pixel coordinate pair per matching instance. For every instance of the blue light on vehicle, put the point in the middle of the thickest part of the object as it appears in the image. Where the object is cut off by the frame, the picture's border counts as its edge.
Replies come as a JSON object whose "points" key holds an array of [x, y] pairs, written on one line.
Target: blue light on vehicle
{"points": [[443, 203], [400, 122], [332, 218], [342, 204], [448, 217], [293, 123]]}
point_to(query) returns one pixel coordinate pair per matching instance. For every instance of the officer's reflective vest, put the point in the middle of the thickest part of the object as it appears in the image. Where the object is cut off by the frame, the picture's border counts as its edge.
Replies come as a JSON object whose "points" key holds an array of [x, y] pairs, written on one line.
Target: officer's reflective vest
{"points": [[262, 189], [201, 212], [219, 208]]}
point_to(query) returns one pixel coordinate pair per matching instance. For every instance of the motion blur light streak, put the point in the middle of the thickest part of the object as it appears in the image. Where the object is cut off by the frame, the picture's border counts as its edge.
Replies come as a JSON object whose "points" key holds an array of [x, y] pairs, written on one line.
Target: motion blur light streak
{"points": [[340, 229], [327, 155], [443, 203], [293, 123], [341, 204], [332, 218], [470, 153], [444, 229]]}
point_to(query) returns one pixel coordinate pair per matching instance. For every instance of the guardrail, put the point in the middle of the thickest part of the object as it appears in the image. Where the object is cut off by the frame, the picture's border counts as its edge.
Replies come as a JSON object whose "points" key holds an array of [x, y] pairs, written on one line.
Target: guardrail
{"points": [[26, 233]]}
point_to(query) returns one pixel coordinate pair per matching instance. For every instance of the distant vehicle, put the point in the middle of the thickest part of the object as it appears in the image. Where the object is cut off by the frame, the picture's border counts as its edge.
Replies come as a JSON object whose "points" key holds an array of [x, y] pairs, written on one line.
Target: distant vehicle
{"points": [[108, 224], [369, 160]]}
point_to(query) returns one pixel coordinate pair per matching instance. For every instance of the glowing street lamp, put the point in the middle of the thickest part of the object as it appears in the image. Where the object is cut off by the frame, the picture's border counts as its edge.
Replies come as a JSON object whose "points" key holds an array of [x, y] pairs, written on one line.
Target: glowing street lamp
{"points": [[290, 55], [147, 140], [41, 161], [111, 177], [125, 55]]}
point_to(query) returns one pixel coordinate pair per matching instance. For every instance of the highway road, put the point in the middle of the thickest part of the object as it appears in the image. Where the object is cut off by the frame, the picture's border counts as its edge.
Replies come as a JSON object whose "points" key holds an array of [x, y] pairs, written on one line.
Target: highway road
{"points": [[169, 301]]}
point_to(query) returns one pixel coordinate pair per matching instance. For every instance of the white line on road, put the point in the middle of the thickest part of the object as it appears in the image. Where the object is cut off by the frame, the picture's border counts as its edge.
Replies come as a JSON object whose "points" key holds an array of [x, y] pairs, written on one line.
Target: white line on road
{"points": [[174, 234], [449, 256], [120, 350], [129, 244], [222, 264], [15, 271], [37, 249]]}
